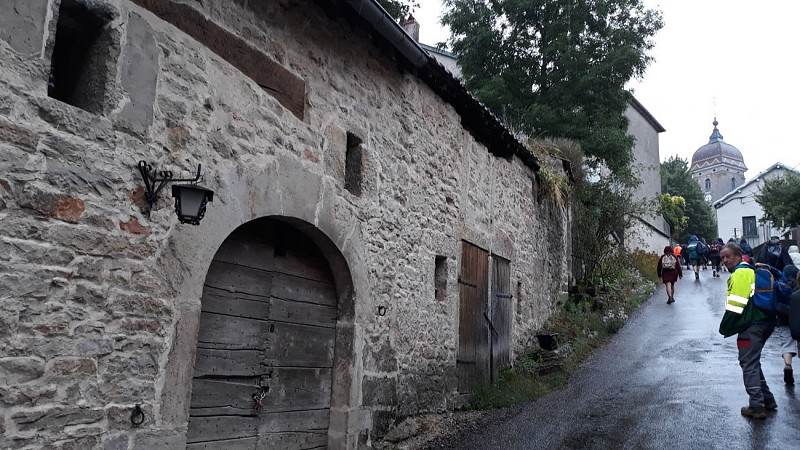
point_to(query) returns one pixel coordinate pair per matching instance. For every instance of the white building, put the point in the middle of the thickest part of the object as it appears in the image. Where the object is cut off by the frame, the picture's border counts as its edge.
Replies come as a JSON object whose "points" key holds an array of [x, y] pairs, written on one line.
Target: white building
{"points": [[738, 213], [651, 233]]}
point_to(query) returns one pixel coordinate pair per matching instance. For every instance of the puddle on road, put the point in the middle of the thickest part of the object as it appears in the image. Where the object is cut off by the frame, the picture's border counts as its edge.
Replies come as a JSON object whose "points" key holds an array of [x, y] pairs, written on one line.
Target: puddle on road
{"points": [[691, 350]]}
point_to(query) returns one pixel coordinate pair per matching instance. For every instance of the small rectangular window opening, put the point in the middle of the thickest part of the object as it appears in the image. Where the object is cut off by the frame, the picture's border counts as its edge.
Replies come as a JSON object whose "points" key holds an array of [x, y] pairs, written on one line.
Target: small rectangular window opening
{"points": [[77, 76], [352, 165], [440, 278]]}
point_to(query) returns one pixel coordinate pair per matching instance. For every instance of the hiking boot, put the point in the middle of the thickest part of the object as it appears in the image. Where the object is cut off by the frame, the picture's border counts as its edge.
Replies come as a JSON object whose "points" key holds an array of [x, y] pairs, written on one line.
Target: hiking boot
{"points": [[754, 412], [788, 375], [670, 300], [714, 274], [770, 403], [696, 276]]}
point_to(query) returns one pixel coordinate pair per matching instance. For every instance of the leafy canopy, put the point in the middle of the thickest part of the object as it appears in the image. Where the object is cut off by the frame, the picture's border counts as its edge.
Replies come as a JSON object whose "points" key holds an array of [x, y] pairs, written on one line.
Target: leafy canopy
{"points": [[676, 180], [673, 208], [780, 199], [556, 68], [399, 9]]}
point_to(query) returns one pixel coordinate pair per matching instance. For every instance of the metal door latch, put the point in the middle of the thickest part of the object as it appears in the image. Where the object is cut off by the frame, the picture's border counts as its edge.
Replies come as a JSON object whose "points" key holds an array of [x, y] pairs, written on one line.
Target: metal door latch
{"points": [[258, 398]]}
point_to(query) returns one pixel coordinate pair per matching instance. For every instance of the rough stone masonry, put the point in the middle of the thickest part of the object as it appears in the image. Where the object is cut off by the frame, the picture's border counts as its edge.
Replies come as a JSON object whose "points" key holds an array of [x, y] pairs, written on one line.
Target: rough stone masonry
{"points": [[101, 302]]}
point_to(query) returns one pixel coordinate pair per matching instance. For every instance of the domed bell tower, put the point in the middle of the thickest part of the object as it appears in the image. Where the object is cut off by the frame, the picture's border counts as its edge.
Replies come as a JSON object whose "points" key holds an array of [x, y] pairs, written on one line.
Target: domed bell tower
{"points": [[718, 167]]}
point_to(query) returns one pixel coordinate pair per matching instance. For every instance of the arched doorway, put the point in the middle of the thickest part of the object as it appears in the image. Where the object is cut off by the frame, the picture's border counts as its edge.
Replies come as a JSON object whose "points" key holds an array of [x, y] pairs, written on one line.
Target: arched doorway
{"points": [[267, 328]]}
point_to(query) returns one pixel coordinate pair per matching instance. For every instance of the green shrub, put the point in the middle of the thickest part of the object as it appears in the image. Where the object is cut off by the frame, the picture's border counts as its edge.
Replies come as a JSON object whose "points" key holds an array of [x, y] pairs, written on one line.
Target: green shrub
{"points": [[590, 316], [646, 263]]}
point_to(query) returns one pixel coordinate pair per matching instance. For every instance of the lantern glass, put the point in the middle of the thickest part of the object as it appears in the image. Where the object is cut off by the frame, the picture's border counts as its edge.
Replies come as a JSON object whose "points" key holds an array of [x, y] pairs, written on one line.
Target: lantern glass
{"points": [[190, 202]]}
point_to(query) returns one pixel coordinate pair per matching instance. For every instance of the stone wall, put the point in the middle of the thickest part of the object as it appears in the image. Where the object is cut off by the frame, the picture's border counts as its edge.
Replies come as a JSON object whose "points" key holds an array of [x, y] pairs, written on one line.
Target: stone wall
{"points": [[101, 301]]}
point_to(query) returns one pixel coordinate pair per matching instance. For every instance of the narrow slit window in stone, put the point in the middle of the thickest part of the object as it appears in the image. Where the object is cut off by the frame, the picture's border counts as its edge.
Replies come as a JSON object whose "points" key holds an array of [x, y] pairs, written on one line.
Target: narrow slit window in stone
{"points": [[440, 278], [352, 165]]}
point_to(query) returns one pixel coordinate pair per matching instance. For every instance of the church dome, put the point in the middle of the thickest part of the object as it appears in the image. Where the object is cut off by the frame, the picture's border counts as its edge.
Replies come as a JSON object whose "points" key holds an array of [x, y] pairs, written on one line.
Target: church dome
{"points": [[717, 151]]}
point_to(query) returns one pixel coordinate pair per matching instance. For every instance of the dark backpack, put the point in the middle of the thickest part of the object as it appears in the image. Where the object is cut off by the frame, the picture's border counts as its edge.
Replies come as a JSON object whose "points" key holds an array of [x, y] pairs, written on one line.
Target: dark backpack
{"points": [[794, 315], [693, 250], [772, 294]]}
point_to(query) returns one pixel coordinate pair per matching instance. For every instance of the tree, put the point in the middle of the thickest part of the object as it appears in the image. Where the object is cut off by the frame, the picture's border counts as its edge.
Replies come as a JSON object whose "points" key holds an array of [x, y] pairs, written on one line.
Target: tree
{"points": [[677, 181], [780, 199], [673, 208], [399, 9], [557, 68]]}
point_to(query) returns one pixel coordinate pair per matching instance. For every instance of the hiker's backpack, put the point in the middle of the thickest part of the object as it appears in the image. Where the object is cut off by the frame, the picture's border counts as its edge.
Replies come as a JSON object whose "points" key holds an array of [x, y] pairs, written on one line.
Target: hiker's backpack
{"points": [[771, 290], [693, 250], [772, 254], [774, 251], [668, 262], [794, 316]]}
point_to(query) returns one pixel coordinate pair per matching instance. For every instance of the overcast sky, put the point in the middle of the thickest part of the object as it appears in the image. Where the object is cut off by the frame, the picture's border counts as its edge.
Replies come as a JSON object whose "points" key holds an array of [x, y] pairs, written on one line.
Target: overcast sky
{"points": [[731, 58]]}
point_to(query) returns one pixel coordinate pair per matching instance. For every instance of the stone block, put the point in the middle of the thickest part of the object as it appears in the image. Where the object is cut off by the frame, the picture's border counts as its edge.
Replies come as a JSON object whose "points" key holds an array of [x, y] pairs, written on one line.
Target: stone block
{"points": [[299, 189], [28, 395], [50, 204], [379, 356], [74, 121], [14, 371], [94, 347], [22, 25], [72, 366], [166, 439], [16, 135], [115, 442], [74, 444], [175, 395], [382, 421], [379, 391], [139, 73], [55, 419]]}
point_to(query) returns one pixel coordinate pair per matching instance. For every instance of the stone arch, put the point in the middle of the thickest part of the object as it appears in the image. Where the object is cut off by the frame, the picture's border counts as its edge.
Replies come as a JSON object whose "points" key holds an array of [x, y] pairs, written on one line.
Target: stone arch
{"points": [[285, 190]]}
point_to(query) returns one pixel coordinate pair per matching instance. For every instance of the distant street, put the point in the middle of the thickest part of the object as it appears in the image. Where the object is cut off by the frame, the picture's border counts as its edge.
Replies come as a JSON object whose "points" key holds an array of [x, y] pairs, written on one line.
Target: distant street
{"points": [[668, 380]]}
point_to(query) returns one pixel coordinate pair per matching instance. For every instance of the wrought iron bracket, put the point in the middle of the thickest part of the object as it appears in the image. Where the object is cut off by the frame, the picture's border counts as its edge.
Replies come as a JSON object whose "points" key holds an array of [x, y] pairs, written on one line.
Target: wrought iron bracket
{"points": [[154, 181]]}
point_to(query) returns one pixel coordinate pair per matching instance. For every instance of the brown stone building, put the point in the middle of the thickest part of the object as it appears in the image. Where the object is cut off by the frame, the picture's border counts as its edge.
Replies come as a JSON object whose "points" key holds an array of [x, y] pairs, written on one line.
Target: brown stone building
{"points": [[376, 246]]}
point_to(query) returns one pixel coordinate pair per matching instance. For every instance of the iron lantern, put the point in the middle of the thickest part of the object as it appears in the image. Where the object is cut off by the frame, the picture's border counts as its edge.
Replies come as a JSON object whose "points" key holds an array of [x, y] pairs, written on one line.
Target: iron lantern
{"points": [[190, 199], [190, 202]]}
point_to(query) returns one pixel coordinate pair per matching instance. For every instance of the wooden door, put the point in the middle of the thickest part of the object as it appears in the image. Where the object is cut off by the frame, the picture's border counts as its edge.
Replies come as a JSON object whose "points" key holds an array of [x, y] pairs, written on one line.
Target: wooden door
{"points": [[502, 309], [266, 328], [473, 339]]}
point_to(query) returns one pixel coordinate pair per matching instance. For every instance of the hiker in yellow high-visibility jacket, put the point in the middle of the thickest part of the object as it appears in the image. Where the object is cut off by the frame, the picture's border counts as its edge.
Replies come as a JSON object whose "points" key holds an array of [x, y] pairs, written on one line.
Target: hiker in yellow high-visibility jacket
{"points": [[753, 326]]}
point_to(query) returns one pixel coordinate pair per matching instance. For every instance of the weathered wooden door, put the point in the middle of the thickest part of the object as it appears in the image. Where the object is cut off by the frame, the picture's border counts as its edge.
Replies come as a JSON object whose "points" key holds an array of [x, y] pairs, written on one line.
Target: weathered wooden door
{"points": [[266, 329], [473, 338], [502, 309]]}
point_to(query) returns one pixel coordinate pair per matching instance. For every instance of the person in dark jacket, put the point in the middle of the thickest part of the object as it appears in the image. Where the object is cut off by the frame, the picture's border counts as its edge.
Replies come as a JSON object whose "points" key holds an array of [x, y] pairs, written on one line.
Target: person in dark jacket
{"points": [[713, 255], [746, 249], [669, 270], [695, 249], [774, 254], [794, 313], [789, 346]]}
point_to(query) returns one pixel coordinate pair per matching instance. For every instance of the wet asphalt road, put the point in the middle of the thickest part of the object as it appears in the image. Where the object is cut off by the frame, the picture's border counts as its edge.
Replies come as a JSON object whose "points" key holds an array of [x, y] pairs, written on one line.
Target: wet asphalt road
{"points": [[667, 380]]}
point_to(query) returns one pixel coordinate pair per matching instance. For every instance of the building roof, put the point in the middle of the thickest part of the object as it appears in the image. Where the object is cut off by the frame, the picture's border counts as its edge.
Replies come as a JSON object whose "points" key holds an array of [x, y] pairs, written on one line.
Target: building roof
{"points": [[646, 114], [717, 151], [732, 194]]}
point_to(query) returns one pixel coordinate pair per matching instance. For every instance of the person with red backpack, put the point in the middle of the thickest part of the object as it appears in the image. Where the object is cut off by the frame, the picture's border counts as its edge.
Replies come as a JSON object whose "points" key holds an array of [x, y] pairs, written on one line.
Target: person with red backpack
{"points": [[669, 270]]}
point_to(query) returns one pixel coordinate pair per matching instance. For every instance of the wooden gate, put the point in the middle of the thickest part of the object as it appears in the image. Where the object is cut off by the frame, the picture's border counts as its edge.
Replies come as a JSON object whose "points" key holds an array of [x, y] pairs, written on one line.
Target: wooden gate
{"points": [[502, 315], [267, 329], [473, 338]]}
